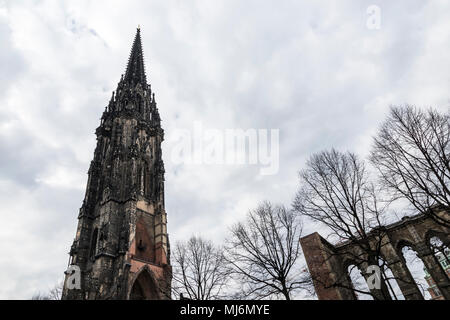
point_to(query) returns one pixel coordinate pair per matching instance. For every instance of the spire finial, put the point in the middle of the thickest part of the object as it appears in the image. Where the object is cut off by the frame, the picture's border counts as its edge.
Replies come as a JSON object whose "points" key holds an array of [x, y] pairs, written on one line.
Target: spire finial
{"points": [[139, 27], [135, 72]]}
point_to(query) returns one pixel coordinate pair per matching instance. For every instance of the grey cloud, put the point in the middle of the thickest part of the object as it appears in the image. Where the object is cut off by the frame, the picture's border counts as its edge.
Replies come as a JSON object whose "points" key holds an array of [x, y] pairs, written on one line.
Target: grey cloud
{"points": [[11, 61], [313, 70]]}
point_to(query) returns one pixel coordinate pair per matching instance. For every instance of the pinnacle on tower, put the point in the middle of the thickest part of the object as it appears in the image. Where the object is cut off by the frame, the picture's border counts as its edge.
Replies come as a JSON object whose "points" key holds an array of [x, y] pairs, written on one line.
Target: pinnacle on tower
{"points": [[135, 72]]}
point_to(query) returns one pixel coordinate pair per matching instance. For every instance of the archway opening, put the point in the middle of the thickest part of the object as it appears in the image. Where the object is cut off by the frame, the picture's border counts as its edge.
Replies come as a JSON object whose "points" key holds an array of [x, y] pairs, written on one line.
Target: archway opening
{"points": [[144, 288], [137, 293], [359, 283], [441, 251], [441, 254], [390, 281], [417, 270]]}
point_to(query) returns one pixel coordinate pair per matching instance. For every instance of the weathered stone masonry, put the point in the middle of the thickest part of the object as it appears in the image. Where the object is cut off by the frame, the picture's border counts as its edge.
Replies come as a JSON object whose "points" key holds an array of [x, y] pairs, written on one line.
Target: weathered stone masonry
{"points": [[121, 243], [328, 263]]}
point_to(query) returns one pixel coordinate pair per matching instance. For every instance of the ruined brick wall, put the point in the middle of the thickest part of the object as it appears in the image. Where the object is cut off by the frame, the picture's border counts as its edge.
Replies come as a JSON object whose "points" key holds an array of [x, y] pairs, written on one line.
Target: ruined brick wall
{"points": [[325, 268], [328, 263]]}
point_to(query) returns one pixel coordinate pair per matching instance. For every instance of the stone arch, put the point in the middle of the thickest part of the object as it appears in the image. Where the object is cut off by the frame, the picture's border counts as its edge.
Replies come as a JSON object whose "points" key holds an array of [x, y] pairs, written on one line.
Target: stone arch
{"points": [[404, 243], [144, 286], [408, 260], [357, 280], [347, 262], [354, 266], [439, 260], [357, 277], [412, 232], [389, 278], [441, 237]]}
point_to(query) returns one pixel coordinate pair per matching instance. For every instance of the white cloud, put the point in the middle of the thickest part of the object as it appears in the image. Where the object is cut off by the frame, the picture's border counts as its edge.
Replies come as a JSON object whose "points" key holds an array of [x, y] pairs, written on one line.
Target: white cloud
{"points": [[313, 70]]}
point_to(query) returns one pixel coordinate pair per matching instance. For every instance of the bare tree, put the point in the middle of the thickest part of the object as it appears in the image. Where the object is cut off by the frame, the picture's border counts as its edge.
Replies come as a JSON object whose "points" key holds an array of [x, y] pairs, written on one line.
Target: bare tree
{"points": [[40, 296], [264, 253], [412, 155], [54, 293], [199, 270], [335, 190]]}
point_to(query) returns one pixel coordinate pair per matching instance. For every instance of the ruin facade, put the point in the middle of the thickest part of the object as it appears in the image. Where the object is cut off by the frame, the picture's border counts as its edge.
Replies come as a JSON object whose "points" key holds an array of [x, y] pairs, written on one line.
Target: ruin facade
{"points": [[328, 264]]}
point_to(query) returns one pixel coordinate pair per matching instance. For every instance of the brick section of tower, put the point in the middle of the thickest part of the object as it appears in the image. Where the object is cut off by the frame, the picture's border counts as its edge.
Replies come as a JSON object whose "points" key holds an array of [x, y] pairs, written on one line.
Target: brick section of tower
{"points": [[322, 265], [121, 243]]}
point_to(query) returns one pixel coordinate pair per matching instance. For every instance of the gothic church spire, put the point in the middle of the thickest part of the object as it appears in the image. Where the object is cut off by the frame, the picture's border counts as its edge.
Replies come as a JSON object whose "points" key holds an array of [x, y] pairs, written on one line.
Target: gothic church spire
{"points": [[135, 72], [121, 245]]}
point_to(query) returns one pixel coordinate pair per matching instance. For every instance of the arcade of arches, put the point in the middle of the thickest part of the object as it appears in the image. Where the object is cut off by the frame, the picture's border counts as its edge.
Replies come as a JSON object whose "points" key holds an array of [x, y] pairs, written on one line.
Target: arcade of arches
{"points": [[330, 265]]}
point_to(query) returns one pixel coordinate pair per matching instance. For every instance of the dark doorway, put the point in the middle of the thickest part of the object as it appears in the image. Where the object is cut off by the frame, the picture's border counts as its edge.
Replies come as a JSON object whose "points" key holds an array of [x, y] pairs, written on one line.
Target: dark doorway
{"points": [[144, 288]]}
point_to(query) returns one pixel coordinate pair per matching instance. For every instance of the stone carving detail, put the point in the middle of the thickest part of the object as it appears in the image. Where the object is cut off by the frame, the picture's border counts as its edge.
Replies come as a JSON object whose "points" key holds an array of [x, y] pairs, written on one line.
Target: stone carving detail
{"points": [[74, 248], [123, 240]]}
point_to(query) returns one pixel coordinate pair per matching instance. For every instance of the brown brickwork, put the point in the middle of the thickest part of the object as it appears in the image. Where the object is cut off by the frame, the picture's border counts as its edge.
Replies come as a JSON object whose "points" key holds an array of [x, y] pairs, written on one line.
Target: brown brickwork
{"points": [[328, 263]]}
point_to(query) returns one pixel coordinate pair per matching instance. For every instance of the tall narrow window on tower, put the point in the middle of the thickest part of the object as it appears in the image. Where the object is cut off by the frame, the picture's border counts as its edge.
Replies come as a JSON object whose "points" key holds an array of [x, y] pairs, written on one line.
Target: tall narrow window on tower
{"points": [[125, 199], [93, 248]]}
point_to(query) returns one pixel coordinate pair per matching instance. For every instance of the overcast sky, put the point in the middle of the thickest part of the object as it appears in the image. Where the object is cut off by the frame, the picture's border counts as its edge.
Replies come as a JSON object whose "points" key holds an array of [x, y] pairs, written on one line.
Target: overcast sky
{"points": [[312, 69]]}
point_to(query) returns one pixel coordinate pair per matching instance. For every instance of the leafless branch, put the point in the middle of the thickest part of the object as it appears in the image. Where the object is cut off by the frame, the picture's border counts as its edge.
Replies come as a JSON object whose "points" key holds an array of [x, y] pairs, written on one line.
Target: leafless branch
{"points": [[200, 271], [412, 155], [335, 190], [264, 252]]}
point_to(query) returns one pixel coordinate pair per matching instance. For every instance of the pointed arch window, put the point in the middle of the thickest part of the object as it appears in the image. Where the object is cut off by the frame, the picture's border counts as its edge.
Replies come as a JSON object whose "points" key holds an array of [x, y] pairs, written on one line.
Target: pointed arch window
{"points": [[440, 250], [93, 248], [146, 180]]}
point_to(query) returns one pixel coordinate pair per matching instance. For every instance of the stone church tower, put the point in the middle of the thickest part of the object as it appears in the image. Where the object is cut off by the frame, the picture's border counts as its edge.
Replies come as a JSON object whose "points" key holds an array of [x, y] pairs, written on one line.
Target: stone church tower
{"points": [[121, 244]]}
